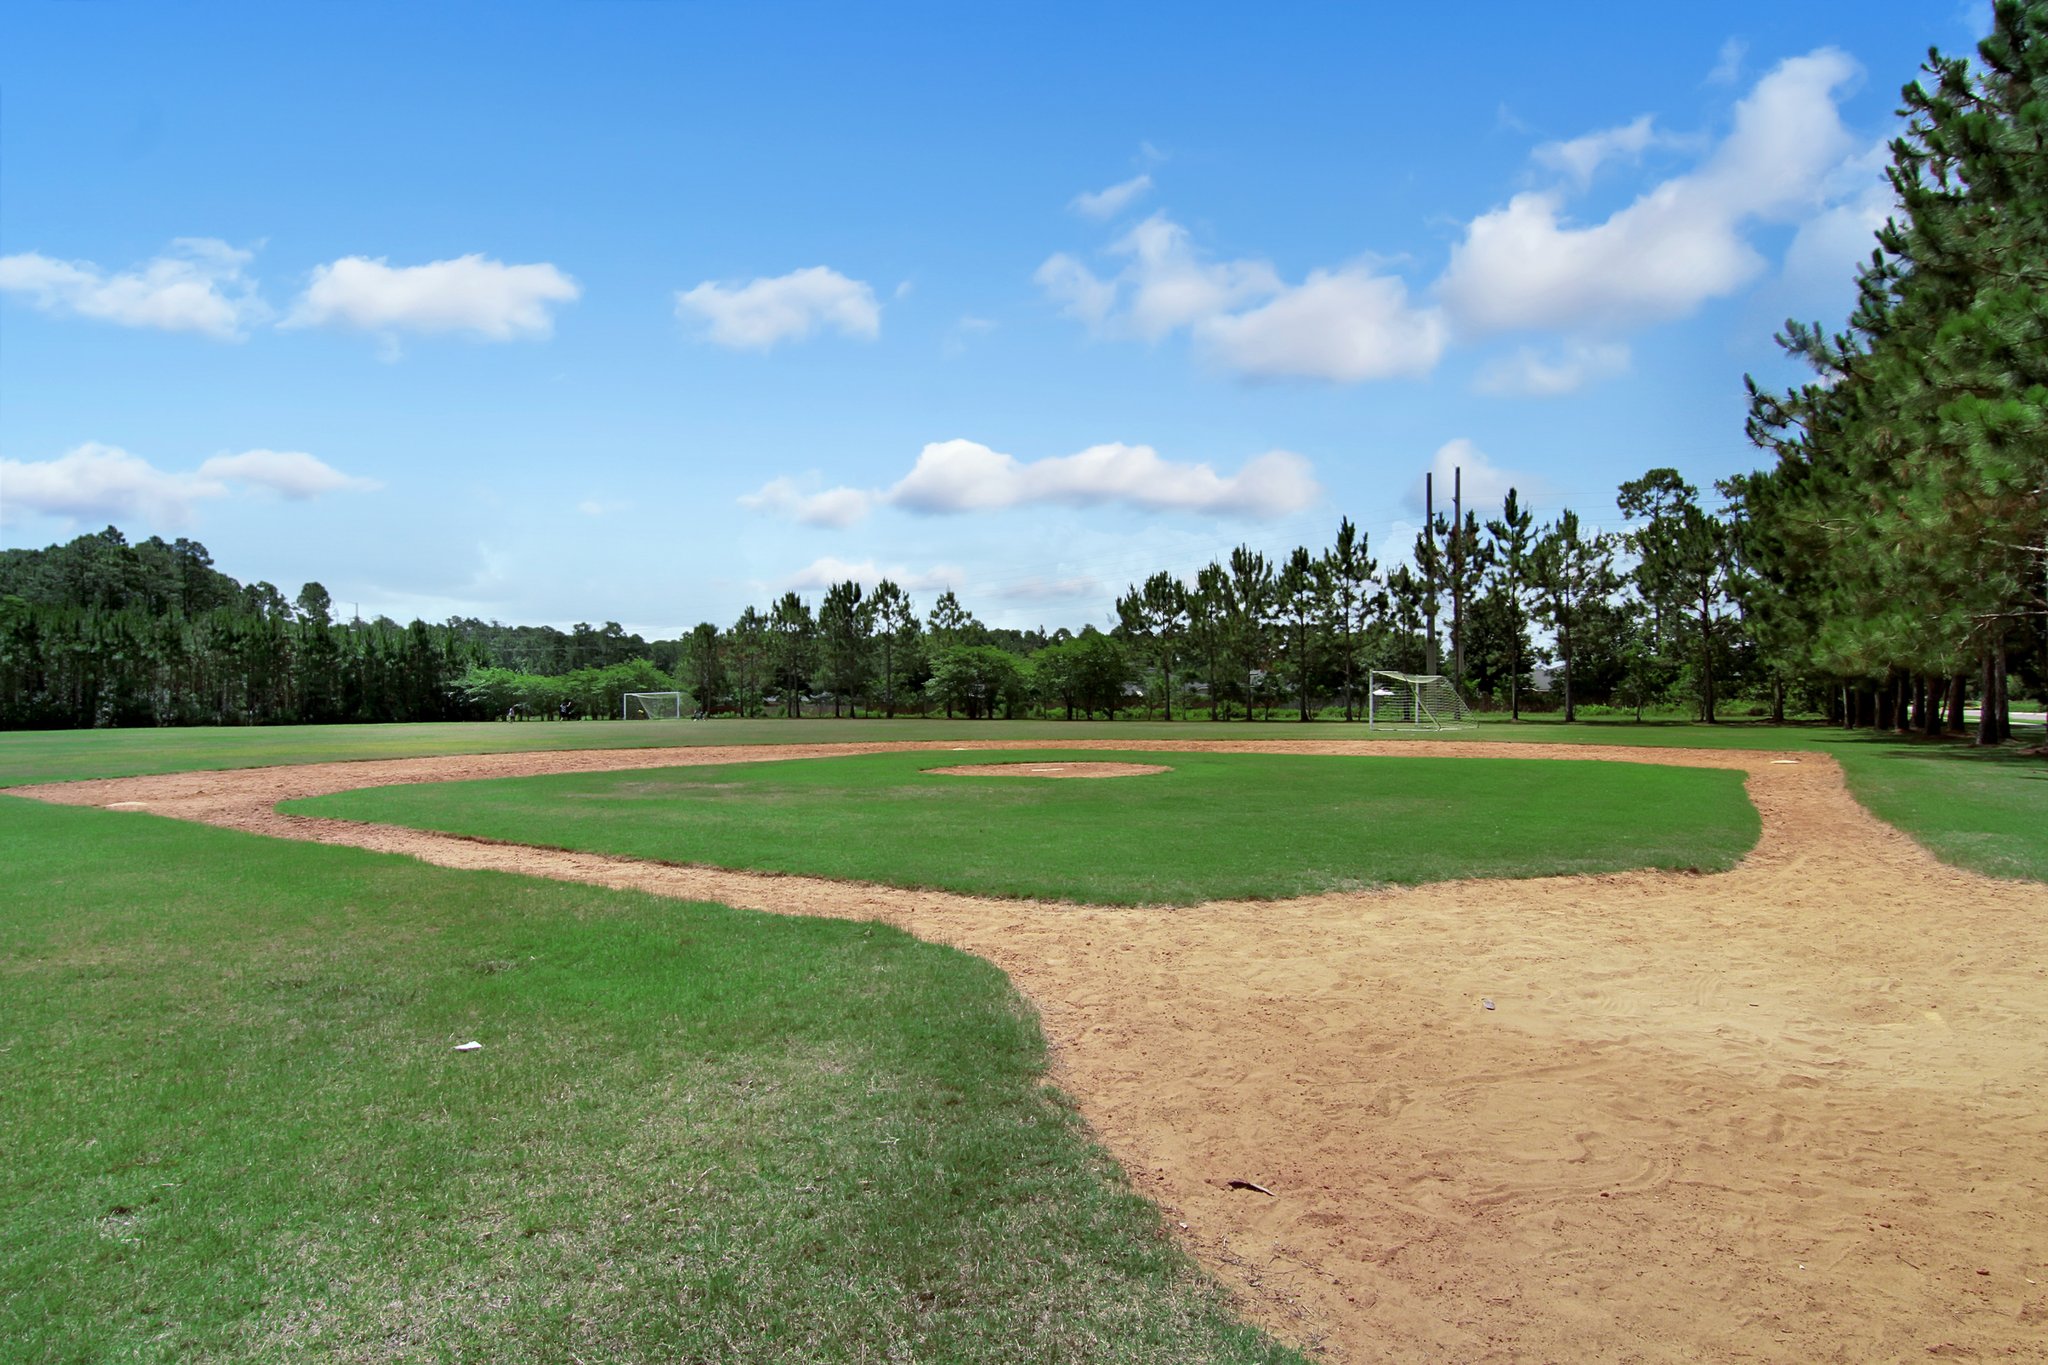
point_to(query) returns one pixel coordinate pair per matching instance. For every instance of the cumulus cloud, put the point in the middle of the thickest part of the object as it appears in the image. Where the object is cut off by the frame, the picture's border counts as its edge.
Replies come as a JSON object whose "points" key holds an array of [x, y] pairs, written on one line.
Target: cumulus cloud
{"points": [[786, 497], [762, 312], [196, 285], [1676, 246], [1344, 325], [1580, 158], [1535, 373], [472, 294], [823, 572], [290, 474], [1076, 289], [1171, 285], [966, 476], [1108, 203], [94, 482], [1482, 483], [959, 476], [1822, 258]]}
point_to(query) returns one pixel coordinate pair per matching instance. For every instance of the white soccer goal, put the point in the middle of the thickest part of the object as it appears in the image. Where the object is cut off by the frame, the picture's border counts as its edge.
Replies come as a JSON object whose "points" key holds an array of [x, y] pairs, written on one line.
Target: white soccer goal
{"points": [[651, 706], [1414, 701]]}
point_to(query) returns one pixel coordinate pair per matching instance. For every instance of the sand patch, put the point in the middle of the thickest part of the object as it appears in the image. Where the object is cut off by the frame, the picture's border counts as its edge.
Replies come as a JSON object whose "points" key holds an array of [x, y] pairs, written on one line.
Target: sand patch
{"points": [[1055, 770], [1794, 1112]]}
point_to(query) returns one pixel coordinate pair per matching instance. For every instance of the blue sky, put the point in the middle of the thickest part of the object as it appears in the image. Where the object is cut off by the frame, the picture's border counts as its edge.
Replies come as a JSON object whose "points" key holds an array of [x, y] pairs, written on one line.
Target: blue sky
{"points": [[642, 312]]}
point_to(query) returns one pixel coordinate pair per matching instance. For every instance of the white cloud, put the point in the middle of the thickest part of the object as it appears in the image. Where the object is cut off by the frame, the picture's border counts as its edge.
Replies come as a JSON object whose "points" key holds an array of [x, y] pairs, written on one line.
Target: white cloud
{"points": [[1821, 262], [1172, 286], [197, 285], [1534, 373], [471, 293], [786, 497], [1679, 244], [1345, 326], [966, 476], [1728, 65], [1108, 203], [756, 315], [288, 473], [1482, 484], [94, 482], [1078, 291], [823, 572], [1582, 157]]}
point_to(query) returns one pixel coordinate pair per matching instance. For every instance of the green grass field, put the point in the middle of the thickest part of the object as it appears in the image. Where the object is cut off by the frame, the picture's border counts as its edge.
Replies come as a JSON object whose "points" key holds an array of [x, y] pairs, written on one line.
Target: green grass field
{"points": [[1985, 811], [236, 1130], [1215, 826]]}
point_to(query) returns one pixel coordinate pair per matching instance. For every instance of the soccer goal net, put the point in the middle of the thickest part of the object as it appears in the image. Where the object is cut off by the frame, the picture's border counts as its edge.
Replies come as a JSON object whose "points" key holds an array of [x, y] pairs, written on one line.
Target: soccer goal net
{"points": [[652, 706], [1414, 701]]}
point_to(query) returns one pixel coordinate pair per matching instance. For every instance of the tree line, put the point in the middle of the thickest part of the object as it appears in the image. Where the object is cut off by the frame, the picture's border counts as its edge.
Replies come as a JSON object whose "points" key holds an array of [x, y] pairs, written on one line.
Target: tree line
{"points": [[1900, 541], [101, 632]]}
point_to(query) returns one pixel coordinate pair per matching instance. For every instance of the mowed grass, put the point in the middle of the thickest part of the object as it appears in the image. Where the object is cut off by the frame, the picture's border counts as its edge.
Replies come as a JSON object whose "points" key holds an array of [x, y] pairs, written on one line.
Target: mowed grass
{"points": [[236, 1130], [1983, 810], [1986, 810], [1215, 826]]}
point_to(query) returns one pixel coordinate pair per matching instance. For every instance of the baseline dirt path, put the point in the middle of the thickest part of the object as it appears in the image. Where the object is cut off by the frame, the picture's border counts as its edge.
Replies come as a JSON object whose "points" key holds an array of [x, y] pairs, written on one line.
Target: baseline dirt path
{"points": [[1794, 1112]]}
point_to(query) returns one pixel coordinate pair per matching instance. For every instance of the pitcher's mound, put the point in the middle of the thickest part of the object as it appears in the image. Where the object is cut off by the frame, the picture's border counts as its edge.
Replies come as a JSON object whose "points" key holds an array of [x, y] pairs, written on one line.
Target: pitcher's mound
{"points": [[1052, 770]]}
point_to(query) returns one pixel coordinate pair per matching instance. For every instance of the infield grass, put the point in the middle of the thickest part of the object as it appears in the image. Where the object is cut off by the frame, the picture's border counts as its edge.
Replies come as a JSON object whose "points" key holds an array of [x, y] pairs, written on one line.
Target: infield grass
{"points": [[236, 1130], [1983, 810], [1216, 826]]}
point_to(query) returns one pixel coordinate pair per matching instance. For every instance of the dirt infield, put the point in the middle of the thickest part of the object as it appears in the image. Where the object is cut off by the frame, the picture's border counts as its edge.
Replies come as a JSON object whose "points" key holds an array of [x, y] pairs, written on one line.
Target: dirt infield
{"points": [[1793, 1112], [1052, 770]]}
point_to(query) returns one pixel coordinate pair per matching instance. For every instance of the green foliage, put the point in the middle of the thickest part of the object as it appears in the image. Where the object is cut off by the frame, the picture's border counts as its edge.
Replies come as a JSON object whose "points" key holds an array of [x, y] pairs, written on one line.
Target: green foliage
{"points": [[587, 692], [1175, 837], [1573, 574], [1905, 525], [1087, 673], [977, 681]]}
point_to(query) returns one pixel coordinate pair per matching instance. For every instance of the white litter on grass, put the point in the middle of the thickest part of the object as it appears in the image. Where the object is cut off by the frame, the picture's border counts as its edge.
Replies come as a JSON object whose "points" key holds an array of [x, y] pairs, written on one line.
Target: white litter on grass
{"points": [[471, 1046]]}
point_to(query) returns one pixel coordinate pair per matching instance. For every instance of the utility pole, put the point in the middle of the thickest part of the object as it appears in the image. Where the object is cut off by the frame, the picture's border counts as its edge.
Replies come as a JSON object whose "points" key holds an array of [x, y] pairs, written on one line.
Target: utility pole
{"points": [[1458, 576], [1429, 569]]}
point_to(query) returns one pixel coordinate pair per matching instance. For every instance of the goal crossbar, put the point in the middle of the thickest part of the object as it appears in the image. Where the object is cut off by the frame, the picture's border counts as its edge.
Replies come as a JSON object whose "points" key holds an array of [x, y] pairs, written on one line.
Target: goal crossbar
{"points": [[651, 706], [1414, 701]]}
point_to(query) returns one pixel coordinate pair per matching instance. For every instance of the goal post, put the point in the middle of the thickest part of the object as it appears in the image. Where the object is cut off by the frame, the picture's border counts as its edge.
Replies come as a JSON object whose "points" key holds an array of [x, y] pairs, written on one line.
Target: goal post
{"points": [[651, 706], [1414, 701]]}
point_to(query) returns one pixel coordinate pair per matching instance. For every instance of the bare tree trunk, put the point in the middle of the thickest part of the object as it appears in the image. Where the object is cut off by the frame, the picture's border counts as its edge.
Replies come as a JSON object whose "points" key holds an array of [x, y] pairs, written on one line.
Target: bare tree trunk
{"points": [[2004, 681], [1987, 702], [1565, 638], [1956, 687]]}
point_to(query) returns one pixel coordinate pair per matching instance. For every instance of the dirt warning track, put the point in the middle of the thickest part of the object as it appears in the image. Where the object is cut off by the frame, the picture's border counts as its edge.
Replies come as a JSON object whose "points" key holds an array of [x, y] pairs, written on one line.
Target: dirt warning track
{"points": [[1793, 1112]]}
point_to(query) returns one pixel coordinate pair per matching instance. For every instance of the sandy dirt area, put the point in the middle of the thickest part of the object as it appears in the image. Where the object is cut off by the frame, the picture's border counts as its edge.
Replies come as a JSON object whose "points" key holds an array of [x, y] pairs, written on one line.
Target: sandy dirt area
{"points": [[1793, 1112], [1055, 770]]}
